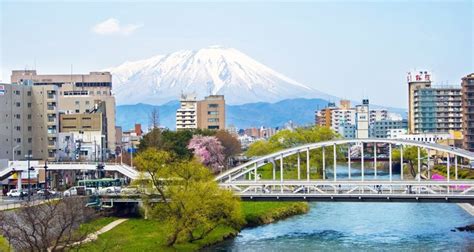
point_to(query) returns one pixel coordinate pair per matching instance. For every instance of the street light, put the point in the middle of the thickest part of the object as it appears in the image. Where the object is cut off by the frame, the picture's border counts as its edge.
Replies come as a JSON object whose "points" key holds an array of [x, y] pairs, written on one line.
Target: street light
{"points": [[29, 156], [46, 177]]}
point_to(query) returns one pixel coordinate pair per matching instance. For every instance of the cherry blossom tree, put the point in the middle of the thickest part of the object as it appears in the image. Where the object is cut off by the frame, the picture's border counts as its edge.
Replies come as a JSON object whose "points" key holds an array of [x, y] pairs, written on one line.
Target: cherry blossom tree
{"points": [[209, 151]]}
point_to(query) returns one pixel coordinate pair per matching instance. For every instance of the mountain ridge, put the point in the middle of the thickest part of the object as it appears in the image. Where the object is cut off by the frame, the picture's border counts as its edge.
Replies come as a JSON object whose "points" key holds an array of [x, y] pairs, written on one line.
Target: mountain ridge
{"points": [[211, 70], [298, 110]]}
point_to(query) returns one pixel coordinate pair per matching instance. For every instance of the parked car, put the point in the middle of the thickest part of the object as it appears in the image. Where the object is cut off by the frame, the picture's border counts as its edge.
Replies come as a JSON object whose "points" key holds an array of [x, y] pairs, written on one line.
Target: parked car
{"points": [[74, 191], [16, 193], [45, 192]]}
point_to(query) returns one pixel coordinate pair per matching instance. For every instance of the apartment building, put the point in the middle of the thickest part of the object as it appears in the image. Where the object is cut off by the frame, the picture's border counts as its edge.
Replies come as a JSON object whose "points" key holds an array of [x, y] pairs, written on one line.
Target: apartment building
{"points": [[387, 128], [28, 121], [77, 93], [437, 109], [186, 115], [205, 114], [467, 85], [211, 112], [416, 80]]}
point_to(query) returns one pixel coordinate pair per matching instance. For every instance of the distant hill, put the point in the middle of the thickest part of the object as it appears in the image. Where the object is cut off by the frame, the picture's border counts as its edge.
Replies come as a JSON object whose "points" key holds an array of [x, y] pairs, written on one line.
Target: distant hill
{"points": [[300, 111]]}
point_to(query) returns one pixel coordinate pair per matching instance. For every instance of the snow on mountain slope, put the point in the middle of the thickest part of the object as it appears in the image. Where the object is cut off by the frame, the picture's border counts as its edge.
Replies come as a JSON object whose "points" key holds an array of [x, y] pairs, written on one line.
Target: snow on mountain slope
{"points": [[214, 69]]}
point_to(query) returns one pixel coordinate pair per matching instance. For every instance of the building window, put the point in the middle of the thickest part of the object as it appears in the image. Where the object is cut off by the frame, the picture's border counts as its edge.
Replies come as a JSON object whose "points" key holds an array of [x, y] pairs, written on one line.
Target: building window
{"points": [[213, 120], [212, 112], [17, 116], [77, 102], [29, 104], [17, 92], [213, 105], [18, 104], [87, 102], [29, 116], [77, 110], [29, 128], [18, 128], [18, 140], [28, 93]]}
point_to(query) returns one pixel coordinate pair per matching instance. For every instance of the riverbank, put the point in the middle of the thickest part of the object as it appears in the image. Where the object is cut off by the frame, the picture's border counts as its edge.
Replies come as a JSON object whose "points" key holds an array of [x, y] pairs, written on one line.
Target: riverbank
{"points": [[150, 235]]}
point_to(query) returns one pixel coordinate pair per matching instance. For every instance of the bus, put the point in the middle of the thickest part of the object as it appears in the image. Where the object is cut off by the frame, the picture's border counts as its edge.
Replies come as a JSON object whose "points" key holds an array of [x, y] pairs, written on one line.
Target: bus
{"points": [[100, 183]]}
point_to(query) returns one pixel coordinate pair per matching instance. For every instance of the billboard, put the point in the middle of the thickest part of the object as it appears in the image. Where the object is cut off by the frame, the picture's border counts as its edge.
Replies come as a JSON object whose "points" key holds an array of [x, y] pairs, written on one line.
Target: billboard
{"points": [[2, 90], [419, 76]]}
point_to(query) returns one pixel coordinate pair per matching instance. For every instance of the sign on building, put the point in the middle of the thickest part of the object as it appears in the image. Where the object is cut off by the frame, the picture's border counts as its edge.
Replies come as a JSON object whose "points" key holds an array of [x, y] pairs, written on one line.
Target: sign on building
{"points": [[2, 90]]}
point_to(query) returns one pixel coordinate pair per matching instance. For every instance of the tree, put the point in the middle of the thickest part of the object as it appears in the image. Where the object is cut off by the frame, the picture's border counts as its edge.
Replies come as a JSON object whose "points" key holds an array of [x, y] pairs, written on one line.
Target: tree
{"points": [[154, 118], [410, 155], [50, 226], [155, 164], [192, 203], [152, 139], [209, 151], [230, 143]]}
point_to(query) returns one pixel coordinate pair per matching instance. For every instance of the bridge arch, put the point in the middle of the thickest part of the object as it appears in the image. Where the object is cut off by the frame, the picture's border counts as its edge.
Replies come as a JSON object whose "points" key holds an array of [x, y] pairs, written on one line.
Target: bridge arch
{"points": [[260, 161], [236, 179]]}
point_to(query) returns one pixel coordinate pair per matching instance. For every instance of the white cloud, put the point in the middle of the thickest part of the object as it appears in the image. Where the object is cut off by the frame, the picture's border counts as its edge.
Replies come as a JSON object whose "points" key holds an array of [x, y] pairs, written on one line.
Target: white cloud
{"points": [[112, 26]]}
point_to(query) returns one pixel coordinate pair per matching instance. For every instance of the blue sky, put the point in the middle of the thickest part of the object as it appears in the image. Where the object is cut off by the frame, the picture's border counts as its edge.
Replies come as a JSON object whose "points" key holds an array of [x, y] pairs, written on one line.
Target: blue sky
{"points": [[346, 48]]}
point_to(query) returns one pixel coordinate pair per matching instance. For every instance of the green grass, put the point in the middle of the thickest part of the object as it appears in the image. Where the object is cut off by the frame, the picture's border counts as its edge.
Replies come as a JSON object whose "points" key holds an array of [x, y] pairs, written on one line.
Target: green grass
{"points": [[259, 213], [462, 173], [150, 235], [4, 245], [96, 224]]}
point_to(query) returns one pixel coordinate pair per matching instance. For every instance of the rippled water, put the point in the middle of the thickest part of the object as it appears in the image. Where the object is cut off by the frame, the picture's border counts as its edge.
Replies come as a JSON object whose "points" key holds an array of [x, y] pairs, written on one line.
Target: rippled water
{"points": [[362, 227]]}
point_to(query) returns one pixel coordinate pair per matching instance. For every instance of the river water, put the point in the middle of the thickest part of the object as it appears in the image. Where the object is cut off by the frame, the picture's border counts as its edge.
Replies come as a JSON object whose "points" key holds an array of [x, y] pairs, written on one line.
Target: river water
{"points": [[361, 227]]}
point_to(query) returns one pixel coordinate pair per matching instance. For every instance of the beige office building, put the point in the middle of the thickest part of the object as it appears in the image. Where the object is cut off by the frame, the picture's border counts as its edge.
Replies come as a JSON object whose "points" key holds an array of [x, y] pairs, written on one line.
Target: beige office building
{"points": [[77, 94], [28, 121]]}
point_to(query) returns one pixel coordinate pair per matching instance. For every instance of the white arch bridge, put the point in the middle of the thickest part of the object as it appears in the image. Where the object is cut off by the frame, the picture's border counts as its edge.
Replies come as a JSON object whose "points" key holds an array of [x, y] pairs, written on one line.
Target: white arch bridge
{"points": [[294, 176]]}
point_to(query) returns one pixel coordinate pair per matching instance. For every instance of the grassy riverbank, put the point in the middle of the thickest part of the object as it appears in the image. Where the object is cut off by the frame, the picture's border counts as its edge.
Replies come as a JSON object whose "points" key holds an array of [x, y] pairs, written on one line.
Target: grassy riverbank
{"points": [[150, 235], [4, 245]]}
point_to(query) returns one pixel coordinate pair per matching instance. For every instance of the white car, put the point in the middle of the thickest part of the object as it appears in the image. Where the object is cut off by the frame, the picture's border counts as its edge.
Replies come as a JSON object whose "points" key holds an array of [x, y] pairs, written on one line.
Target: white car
{"points": [[109, 190], [15, 193], [73, 191]]}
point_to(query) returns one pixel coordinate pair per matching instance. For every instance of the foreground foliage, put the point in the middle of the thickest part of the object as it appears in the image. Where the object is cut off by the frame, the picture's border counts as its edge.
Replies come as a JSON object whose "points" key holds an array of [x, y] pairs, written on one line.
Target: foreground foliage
{"points": [[49, 226], [192, 204], [150, 235]]}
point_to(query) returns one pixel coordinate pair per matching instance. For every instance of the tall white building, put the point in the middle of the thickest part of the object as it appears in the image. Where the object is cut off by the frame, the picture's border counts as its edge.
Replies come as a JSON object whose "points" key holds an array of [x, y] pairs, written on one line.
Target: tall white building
{"points": [[362, 119], [186, 115], [377, 115]]}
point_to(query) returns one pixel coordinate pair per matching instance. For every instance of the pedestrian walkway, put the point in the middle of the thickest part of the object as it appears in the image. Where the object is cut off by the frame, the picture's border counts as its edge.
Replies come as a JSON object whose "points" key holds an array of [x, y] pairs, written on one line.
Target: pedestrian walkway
{"points": [[95, 235]]}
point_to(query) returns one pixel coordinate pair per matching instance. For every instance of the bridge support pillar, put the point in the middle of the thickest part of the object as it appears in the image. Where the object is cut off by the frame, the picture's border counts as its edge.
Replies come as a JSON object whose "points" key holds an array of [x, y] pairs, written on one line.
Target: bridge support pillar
{"points": [[281, 172], [419, 164], [390, 161], [448, 171], [401, 162], [335, 162], [362, 160], [456, 167], [299, 166], [18, 184], [307, 164], [375, 160], [349, 160], [324, 163]]}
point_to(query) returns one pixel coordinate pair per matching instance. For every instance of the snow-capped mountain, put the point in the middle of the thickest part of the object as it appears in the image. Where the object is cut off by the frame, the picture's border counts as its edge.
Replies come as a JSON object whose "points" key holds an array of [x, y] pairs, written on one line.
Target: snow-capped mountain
{"points": [[214, 69]]}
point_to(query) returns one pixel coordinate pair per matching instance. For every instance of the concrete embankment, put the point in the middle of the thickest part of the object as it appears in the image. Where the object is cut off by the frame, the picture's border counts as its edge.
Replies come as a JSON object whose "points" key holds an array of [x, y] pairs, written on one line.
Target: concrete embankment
{"points": [[467, 207]]}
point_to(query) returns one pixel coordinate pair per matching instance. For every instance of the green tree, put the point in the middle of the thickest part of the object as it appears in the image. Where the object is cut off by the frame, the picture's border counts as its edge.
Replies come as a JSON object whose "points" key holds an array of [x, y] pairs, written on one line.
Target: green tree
{"points": [[192, 203], [410, 155], [152, 139]]}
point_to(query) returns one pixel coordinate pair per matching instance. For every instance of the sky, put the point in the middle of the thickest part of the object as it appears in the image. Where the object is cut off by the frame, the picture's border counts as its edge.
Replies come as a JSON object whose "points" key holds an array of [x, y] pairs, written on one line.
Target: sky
{"points": [[349, 49]]}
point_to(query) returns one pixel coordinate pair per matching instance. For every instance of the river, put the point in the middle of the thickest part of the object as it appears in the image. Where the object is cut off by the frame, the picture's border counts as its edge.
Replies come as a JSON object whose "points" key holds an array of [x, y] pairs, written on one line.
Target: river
{"points": [[361, 227]]}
